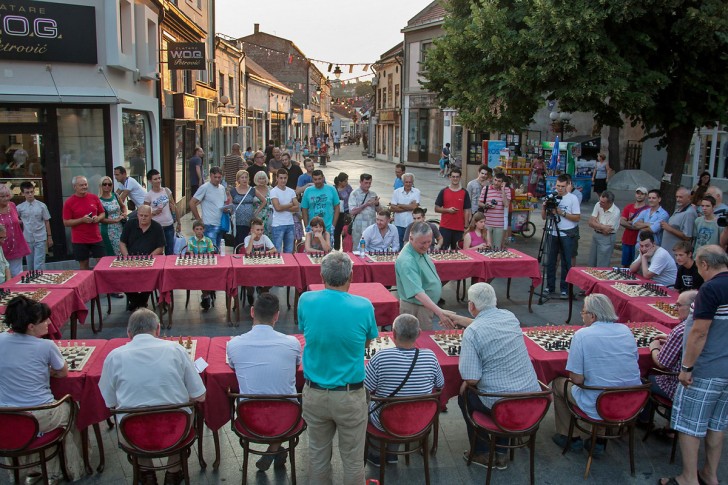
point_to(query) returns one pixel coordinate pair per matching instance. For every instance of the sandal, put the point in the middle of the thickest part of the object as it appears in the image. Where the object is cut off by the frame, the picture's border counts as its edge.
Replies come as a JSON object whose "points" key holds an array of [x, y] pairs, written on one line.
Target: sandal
{"points": [[670, 481]]}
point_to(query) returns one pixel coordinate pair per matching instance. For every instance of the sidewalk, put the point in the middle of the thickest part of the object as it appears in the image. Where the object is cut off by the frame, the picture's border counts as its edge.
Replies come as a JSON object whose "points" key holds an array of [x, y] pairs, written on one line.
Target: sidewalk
{"points": [[447, 467]]}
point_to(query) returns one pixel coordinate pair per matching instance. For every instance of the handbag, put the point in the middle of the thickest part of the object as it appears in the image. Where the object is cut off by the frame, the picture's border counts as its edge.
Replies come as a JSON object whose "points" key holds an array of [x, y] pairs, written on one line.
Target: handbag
{"points": [[351, 224], [401, 384], [225, 222], [180, 243]]}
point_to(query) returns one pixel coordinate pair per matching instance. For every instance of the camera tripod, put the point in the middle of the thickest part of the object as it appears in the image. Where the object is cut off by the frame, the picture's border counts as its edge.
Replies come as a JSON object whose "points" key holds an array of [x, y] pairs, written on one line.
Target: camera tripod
{"points": [[545, 246]]}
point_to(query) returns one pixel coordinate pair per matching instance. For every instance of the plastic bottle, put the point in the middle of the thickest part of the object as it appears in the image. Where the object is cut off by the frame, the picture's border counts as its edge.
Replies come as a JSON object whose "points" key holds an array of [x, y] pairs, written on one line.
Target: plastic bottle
{"points": [[362, 246]]}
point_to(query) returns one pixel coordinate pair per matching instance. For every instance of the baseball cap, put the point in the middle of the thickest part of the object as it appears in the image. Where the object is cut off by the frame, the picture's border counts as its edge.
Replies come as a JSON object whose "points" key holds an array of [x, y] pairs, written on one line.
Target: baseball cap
{"points": [[641, 189]]}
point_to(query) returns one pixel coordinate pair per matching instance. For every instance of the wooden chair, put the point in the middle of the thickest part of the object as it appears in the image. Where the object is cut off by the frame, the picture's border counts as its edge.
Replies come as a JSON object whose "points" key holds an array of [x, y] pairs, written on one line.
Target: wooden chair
{"points": [[157, 432], [663, 407], [514, 416], [266, 419], [405, 420], [618, 407], [19, 438]]}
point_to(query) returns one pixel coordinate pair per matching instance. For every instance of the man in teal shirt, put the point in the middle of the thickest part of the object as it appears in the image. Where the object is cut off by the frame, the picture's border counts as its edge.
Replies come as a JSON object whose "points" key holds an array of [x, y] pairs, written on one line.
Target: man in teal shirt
{"points": [[418, 284], [321, 200], [337, 327]]}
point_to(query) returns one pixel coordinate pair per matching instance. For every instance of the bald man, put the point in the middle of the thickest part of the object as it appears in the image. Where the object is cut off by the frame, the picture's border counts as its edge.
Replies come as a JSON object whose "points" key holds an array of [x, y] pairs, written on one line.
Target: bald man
{"points": [[681, 223], [83, 212]]}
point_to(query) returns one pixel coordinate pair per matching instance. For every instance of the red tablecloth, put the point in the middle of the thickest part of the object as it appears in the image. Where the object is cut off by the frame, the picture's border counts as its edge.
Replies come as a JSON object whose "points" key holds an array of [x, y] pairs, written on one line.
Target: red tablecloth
{"points": [[641, 311], [220, 377], [214, 278], [386, 305], [75, 383], [63, 304], [286, 274], [523, 267], [577, 276], [311, 273], [120, 280], [549, 365], [83, 284], [92, 395], [450, 270], [619, 299]]}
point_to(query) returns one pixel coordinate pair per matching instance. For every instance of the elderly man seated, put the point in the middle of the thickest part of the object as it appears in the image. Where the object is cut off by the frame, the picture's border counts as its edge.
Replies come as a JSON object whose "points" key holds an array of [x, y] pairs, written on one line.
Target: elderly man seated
{"points": [[493, 357], [602, 354], [149, 371], [653, 262], [381, 236], [402, 371]]}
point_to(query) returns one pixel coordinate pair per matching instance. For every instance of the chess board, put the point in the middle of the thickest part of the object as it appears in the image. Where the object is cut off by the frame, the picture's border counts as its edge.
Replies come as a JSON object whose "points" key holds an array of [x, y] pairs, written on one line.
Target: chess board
{"points": [[43, 278], [643, 290], [448, 255], [263, 259], [382, 257], [610, 275], [132, 262], [37, 295], [383, 341], [187, 343], [498, 253], [669, 309], [449, 341], [317, 257], [196, 260], [556, 339], [3, 327], [76, 356]]}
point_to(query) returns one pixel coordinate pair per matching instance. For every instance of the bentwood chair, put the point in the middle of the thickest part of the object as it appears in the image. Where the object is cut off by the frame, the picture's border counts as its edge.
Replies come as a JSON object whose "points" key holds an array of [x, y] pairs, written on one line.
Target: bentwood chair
{"points": [[405, 420], [157, 432], [514, 416], [267, 419], [19, 438], [662, 406], [618, 408]]}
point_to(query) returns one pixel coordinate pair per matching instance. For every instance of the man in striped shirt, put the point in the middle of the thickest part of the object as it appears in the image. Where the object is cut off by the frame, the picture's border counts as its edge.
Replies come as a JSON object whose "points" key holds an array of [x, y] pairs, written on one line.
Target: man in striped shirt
{"points": [[495, 199], [388, 368]]}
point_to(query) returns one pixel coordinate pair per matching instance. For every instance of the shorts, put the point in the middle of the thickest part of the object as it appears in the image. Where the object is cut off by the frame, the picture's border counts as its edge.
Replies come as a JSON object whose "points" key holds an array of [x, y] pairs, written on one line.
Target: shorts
{"points": [[700, 407], [82, 251]]}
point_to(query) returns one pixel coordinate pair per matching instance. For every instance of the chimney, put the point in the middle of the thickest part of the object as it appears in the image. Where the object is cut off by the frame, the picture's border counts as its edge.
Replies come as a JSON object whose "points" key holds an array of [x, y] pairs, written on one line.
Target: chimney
{"points": [[256, 28]]}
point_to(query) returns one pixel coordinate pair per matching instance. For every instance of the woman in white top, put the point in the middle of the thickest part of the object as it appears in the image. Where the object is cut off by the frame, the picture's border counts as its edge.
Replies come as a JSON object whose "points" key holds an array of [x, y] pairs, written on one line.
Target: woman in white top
{"points": [[600, 176]]}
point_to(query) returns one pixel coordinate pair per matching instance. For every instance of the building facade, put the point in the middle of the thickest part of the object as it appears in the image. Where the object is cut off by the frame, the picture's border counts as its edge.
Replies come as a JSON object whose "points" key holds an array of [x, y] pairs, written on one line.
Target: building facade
{"points": [[388, 132], [230, 67], [268, 107], [78, 97]]}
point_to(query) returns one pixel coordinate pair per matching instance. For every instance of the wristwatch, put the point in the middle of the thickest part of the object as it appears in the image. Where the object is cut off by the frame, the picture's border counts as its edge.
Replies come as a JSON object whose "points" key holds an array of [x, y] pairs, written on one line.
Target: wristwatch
{"points": [[686, 369]]}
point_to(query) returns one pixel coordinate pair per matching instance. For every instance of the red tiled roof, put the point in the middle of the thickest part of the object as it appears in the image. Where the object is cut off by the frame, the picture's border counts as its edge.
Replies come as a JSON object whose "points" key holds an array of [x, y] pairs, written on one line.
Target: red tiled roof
{"points": [[431, 13]]}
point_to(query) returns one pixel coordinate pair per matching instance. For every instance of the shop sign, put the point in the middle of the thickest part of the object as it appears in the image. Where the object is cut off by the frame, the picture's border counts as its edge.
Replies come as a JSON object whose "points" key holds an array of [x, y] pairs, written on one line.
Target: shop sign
{"points": [[43, 31], [185, 106], [423, 101], [186, 55]]}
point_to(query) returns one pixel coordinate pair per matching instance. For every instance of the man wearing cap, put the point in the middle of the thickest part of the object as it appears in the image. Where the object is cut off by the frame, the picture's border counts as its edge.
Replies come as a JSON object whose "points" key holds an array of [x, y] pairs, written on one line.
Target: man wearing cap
{"points": [[629, 236]]}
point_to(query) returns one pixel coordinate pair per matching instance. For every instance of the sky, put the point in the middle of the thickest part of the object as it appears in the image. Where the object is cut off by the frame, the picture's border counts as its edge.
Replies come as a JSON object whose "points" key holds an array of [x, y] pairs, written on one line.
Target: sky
{"points": [[333, 31]]}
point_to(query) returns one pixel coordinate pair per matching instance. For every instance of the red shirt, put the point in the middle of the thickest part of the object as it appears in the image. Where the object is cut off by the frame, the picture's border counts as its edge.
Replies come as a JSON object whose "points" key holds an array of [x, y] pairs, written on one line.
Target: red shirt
{"points": [[450, 198], [629, 236], [77, 207]]}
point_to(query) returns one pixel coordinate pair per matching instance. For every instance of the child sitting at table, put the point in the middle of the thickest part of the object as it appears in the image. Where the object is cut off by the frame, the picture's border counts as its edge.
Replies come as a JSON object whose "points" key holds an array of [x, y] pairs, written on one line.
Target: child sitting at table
{"points": [[258, 243], [317, 239], [201, 244], [476, 236], [688, 277]]}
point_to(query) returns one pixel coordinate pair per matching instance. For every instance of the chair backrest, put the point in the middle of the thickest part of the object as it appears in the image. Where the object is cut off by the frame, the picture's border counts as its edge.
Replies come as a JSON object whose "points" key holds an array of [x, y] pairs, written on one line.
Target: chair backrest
{"points": [[622, 404], [409, 417], [267, 417], [301, 247], [519, 412], [155, 429], [239, 249], [17, 430]]}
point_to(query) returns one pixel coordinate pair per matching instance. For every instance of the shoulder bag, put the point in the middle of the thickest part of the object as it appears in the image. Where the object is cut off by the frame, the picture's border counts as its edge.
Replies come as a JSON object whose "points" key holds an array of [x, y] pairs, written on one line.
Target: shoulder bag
{"points": [[233, 219], [401, 384], [351, 224]]}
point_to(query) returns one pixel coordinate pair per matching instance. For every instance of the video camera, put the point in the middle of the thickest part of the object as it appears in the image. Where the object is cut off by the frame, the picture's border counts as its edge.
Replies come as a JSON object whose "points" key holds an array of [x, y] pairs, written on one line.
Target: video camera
{"points": [[551, 201], [722, 218]]}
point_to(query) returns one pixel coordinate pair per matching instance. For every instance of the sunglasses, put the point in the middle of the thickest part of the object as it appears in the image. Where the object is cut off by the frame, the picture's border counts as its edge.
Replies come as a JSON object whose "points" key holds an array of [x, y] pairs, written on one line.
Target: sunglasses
{"points": [[106, 184]]}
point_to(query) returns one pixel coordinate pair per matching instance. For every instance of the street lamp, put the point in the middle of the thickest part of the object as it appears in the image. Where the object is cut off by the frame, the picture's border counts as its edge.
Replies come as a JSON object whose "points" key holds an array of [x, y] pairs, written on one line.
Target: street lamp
{"points": [[562, 118], [337, 71]]}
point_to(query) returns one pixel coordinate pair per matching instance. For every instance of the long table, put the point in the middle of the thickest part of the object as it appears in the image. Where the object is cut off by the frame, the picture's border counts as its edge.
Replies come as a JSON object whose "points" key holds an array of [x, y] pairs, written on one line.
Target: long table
{"points": [[641, 311], [64, 304], [580, 277], [386, 305]]}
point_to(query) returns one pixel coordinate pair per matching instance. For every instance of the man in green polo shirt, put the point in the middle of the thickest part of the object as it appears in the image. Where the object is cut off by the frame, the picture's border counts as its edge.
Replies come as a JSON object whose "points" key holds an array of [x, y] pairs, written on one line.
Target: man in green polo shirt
{"points": [[418, 284]]}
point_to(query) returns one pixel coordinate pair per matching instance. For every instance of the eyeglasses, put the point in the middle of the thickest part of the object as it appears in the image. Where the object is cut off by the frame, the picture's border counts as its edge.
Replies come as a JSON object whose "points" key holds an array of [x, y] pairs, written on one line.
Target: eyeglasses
{"points": [[106, 184]]}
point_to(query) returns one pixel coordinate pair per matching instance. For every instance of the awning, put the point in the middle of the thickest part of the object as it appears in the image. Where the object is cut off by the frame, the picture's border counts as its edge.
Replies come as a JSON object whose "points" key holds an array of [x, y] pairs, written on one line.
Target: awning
{"points": [[65, 99]]}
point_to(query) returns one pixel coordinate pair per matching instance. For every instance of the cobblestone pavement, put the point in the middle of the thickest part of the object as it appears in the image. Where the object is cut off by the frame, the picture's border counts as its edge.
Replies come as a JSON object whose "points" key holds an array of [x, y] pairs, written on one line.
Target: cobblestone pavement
{"points": [[651, 457]]}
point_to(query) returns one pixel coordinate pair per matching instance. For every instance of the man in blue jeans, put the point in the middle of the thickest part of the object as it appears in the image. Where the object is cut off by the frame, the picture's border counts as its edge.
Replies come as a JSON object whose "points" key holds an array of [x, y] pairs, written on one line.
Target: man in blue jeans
{"points": [[210, 197], [562, 238], [285, 203]]}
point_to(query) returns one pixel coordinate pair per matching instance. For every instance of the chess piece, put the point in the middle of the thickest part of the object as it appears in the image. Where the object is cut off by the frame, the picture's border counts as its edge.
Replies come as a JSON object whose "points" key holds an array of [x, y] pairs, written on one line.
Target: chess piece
{"points": [[188, 344]]}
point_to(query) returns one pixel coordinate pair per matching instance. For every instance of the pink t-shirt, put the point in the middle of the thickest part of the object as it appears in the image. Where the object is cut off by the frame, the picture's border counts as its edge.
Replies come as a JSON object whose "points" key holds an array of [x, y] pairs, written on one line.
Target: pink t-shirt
{"points": [[495, 216]]}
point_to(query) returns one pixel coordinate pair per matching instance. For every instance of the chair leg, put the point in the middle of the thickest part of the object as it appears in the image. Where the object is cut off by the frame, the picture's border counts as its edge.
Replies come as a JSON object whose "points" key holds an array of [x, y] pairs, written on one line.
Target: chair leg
{"points": [[187, 300], [631, 448], [135, 469], [491, 459], [110, 423], [245, 463], [674, 448], [426, 459], [288, 296], [200, 428], [532, 452], [406, 457], [43, 468], [84, 451], [568, 437], [651, 422], [436, 434], [16, 470], [216, 442], [292, 456], [100, 444], [457, 292], [508, 289], [591, 451], [382, 460], [185, 469], [108, 302]]}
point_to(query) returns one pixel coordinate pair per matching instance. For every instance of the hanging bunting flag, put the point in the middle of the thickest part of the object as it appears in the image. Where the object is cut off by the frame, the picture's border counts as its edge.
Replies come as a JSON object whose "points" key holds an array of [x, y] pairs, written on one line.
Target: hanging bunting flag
{"points": [[330, 67], [366, 66], [351, 68]]}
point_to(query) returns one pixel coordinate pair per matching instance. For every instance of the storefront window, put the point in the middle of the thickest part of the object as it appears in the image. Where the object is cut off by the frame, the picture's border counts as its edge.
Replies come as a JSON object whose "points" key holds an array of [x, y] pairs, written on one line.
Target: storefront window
{"points": [[179, 161], [135, 127]]}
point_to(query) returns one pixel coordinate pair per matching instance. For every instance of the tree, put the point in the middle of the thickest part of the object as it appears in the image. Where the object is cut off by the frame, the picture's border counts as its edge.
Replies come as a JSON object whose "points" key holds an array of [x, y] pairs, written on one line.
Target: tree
{"points": [[363, 88], [657, 63]]}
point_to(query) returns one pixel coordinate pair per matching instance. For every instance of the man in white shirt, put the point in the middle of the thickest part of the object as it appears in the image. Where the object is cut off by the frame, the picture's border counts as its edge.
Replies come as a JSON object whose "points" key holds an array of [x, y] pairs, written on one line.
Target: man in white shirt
{"points": [[404, 200], [567, 215], [265, 362], [127, 187], [149, 371], [653, 262], [605, 222], [211, 197], [285, 204], [381, 236]]}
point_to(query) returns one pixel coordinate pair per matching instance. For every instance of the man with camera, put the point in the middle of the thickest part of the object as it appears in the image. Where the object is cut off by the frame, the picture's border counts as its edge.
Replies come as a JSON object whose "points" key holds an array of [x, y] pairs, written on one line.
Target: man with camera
{"points": [[565, 212], [494, 199]]}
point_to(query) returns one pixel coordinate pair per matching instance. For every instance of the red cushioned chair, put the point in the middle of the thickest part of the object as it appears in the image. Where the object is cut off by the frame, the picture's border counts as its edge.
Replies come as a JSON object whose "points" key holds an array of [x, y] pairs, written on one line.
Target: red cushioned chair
{"points": [[19, 438], [617, 406], [406, 420], [265, 420], [157, 432], [513, 416], [663, 407]]}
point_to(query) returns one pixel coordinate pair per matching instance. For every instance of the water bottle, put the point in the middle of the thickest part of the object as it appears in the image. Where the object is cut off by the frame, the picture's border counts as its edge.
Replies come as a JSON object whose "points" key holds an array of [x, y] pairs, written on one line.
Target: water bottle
{"points": [[362, 246]]}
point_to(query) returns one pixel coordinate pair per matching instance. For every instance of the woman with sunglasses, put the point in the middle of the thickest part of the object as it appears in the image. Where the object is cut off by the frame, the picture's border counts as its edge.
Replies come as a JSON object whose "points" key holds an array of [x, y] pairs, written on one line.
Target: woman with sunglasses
{"points": [[112, 224]]}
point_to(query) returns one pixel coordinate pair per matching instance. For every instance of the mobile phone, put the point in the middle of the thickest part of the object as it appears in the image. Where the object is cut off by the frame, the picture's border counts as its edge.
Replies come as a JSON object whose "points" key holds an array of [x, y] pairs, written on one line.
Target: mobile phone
{"points": [[90, 214]]}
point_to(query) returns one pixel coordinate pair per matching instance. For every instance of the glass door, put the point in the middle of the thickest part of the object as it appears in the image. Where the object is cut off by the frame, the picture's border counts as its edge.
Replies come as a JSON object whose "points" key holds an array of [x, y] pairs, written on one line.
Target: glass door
{"points": [[22, 157]]}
